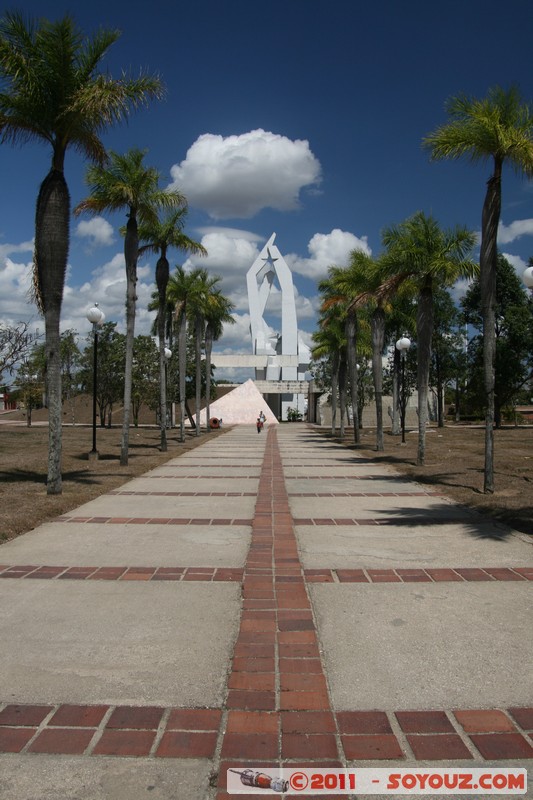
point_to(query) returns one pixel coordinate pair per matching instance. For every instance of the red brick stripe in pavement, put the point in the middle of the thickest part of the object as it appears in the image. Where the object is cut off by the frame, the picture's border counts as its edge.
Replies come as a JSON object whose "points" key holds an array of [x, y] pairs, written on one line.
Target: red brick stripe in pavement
{"points": [[254, 735], [324, 575]]}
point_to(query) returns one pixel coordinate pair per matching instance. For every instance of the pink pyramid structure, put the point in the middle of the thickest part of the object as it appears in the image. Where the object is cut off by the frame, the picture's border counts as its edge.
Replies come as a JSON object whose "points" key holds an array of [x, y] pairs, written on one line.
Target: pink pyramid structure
{"points": [[241, 406]]}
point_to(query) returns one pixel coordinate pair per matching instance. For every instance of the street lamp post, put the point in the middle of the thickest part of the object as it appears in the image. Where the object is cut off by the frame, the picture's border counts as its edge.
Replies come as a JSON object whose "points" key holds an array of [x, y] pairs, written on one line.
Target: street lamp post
{"points": [[402, 345], [96, 318]]}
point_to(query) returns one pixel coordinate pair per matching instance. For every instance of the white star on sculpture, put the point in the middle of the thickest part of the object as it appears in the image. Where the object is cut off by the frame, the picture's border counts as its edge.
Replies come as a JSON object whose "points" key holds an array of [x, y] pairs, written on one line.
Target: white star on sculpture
{"points": [[270, 261]]}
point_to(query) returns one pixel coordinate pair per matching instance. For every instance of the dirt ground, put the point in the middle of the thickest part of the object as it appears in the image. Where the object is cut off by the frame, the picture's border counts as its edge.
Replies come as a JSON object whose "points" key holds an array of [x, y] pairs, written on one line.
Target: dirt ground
{"points": [[454, 463], [24, 503]]}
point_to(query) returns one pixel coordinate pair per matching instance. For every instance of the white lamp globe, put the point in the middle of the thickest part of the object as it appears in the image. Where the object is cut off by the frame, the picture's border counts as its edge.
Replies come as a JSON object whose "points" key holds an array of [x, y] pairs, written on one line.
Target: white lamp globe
{"points": [[527, 277], [95, 315], [168, 353], [403, 344]]}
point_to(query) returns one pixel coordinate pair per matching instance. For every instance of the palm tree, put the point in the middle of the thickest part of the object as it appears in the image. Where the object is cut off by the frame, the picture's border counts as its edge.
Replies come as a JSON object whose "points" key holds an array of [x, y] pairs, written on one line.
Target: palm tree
{"points": [[198, 306], [329, 341], [498, 128], [54, 93], [217, 314], [418, 250], [339, 289], [181, 286], [158, 236], [367, 291], [126, 183]]}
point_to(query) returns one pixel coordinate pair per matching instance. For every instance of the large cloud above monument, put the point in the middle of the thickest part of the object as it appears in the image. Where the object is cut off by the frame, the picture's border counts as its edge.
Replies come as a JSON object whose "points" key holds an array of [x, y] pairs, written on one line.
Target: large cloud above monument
{"points": [[235, 177], [326, 249]]}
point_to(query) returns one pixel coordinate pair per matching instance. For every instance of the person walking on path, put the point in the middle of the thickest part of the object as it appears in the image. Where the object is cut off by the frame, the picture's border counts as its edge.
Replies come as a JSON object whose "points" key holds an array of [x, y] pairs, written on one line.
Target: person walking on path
{"points": [[259, 424]]}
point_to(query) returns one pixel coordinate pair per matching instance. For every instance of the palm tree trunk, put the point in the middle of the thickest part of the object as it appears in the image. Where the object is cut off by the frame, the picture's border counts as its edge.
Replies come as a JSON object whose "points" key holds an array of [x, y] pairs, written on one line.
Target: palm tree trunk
{"points": [[198, 330], [424, 332], [334, 391], [351, 333], [487, 278], [51, 254], [161, 275], [182, 367], [208, 348], [131, 248], [378, 342]]}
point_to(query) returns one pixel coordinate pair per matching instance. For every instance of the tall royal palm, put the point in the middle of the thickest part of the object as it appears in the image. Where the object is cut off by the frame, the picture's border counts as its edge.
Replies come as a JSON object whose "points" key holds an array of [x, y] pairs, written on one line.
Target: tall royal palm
{"points": [[370, 291], [51, 91], [330, 342], [338, 290], [126, 183], [217, 314], [157, 237], [420, 251], [181, 287], [204, 286], [498, 128]]}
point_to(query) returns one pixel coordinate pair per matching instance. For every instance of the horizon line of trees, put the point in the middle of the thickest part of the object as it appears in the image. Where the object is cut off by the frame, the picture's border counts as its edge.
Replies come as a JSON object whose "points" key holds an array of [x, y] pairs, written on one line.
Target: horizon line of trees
{"points": [[29, 388]]}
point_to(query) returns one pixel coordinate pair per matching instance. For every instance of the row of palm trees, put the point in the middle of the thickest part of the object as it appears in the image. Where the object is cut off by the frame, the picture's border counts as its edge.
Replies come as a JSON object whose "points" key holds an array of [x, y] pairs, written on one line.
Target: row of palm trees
{"points": [[420, 256], [53, 92], [397, 287], [192, 299]]}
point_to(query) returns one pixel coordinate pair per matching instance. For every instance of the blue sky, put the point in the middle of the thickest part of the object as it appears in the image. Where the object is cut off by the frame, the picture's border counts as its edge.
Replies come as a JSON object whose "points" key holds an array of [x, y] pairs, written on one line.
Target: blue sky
{"points": [[299, 117]]}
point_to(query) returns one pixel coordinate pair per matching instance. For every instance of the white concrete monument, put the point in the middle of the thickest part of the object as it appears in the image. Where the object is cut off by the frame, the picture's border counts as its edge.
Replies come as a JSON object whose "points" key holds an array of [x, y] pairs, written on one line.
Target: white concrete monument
{"points": [[285, 356]]}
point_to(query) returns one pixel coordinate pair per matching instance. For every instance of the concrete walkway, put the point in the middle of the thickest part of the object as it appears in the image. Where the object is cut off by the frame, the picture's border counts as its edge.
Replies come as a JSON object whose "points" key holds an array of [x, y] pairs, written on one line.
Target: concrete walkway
{"points": [[263, 600]]}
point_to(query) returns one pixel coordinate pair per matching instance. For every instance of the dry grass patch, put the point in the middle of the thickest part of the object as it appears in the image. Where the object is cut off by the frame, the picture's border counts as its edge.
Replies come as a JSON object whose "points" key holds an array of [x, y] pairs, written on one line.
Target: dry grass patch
{"points": [[455, 463], [24, 503]]}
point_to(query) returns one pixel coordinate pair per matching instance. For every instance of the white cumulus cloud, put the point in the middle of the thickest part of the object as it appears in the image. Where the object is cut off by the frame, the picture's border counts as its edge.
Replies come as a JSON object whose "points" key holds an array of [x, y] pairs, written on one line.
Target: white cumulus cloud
{"points": [[15, 291], [326, 249], [9, 249], [237, 176], [97, 230], [518, 228], [229, 255], [518, 263]]}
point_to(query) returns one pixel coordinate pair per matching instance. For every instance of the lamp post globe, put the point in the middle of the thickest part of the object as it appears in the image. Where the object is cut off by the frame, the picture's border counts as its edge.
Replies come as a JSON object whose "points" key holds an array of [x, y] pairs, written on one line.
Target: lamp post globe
{"points": [[96, 317], [403, 344], [527, 277], [168, 353]]}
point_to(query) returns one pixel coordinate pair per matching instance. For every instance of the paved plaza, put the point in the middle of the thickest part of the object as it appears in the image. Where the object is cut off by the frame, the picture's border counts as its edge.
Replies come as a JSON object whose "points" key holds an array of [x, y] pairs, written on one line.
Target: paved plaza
{"points": [[262, 600]]}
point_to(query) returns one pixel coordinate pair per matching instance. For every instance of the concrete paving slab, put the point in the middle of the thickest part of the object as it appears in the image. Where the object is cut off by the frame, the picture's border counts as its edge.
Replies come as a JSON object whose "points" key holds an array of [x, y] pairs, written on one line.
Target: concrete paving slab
{"points": [[115, 642], [160, 483], [350, 485], [219, 457], [117, 545], [383, 546], [167, 507], [406, 646], [35, 777], [330, 470], [408, 510], [211, 471]]}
